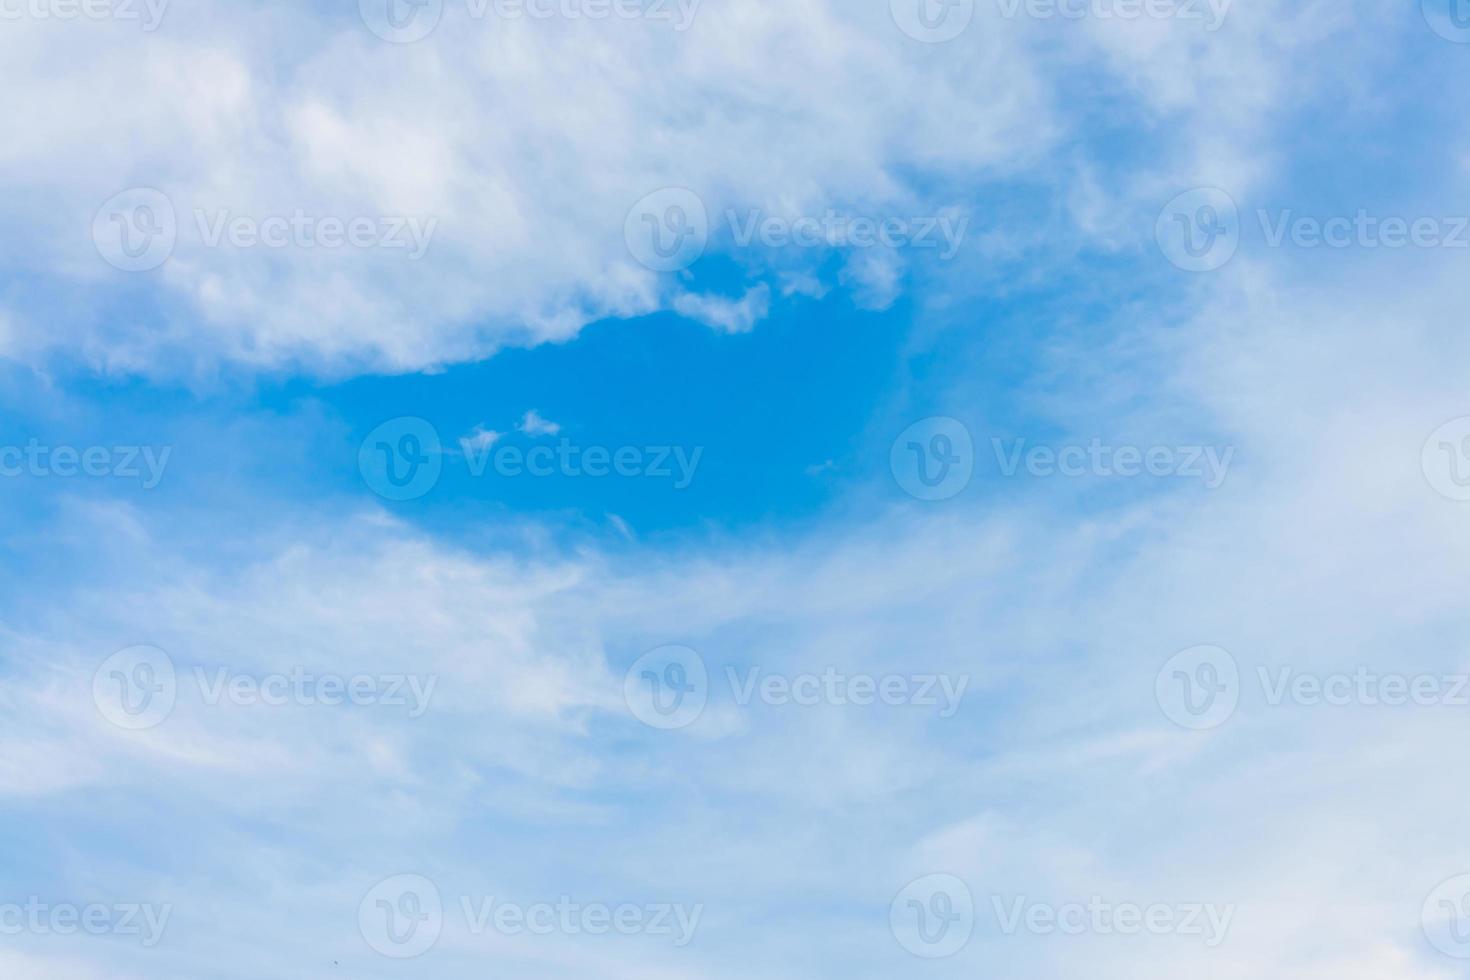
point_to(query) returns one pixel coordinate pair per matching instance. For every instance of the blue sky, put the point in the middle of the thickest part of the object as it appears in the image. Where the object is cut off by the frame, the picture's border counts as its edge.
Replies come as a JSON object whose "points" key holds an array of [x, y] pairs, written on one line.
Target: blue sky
{"points": [[964, 595]]}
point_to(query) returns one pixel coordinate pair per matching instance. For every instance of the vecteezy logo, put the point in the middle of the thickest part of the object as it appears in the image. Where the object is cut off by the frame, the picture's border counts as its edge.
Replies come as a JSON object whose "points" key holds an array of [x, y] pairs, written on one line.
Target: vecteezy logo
{"points": [[667, 688], [1446, 917], [136, 230], [401, 21], [1199, 230], [933, 917], [1199, 688], [136, 688], [401, 459], [667, 230], [932, 21], [1450, 19], [933, 459], [1446, 459], [402, 916]]}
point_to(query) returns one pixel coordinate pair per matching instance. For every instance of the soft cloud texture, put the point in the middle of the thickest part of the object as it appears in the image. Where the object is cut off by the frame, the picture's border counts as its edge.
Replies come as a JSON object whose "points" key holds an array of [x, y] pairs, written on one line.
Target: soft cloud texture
{"points": [[519, 147], [1061, 779], [528, 778]]}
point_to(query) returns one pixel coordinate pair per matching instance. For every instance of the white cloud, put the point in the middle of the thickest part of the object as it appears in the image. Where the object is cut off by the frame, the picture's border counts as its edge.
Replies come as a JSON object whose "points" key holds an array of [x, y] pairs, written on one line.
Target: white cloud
{"points": [[532, 424], [1060, 780], [479, 439], [622, 526], [725, 315], [528, 141]]}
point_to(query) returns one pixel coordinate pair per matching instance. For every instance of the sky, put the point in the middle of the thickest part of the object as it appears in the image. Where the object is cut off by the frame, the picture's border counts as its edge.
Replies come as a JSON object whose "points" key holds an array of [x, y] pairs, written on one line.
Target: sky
{"points": [[697, 489]]}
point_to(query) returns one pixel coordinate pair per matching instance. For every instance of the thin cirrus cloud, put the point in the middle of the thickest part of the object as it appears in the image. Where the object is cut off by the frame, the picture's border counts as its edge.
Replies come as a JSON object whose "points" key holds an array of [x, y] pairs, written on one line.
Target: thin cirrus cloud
{"points": [[531, 654]]}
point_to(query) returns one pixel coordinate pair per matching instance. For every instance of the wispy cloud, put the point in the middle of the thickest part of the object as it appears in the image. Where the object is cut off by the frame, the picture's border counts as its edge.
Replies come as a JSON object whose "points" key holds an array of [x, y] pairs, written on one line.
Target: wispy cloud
{"points": [[532, 424], [479, 439]]}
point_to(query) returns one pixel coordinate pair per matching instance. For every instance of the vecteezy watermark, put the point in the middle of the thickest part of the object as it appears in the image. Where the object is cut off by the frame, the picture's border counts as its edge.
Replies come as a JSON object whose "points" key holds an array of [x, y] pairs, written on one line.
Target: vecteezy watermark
{"points": [[933, 917], [1100, 917], [932, 21], [403, 917], [1199, 230], [944, 232], [1199, 688], [1363, 686], [144, 922], [138, 688], [1363, 230], [138, 230], [567, 459], [1446, 459], [840, 688], [669, 230], [299, 686], [1446, 917], [148, 13], [403, 459], [933, 459], [303, 230], [569, 917], [1211, 12], [1450, 19], [1208, 464], [145, 463], [407, 21], [668, 688]]}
